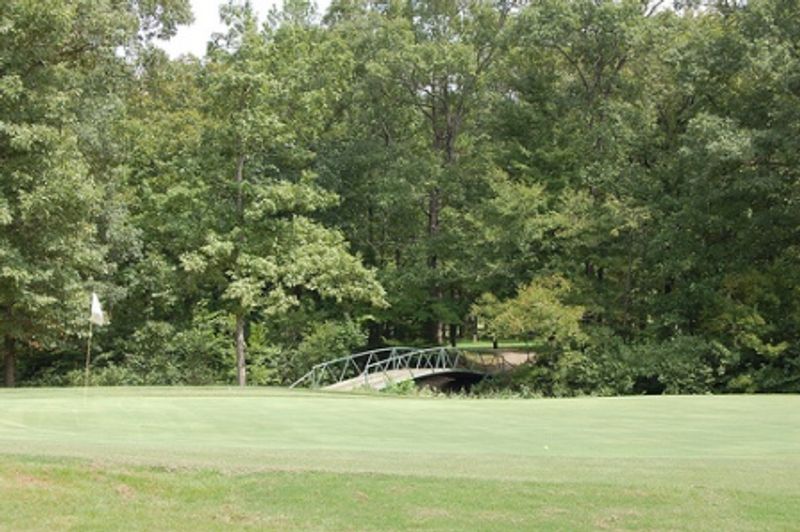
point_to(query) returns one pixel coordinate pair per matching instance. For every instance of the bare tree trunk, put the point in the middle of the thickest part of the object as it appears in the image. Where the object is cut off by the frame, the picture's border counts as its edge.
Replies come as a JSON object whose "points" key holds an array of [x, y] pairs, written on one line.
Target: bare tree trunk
{"points": [[241, 368], [239, 183], [434, 202], [9, 363], [241, 347]]}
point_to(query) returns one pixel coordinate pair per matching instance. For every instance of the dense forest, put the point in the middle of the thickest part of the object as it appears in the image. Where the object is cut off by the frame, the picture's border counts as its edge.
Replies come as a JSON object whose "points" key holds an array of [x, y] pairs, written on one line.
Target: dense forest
{"points": [[615, 182]]}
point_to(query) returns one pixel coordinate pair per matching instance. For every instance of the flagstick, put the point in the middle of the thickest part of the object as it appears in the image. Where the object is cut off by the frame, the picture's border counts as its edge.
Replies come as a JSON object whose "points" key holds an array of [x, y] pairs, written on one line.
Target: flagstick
{"points": [[88, 356]]}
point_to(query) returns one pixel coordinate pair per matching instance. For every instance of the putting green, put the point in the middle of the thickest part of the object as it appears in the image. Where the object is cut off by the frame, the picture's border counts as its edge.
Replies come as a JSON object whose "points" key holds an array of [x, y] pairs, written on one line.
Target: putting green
{"points": [[738, 448]]}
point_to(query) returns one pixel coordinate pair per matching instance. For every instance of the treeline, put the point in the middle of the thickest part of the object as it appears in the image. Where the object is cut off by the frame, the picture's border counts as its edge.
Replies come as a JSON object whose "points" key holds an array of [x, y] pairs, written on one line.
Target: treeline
{"points": [[614, 181]]}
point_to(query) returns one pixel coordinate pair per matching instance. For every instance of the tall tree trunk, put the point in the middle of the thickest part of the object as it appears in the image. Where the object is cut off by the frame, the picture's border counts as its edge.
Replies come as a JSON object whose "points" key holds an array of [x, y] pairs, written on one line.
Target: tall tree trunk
{"points": [[9, 362], [239, 191], [435, 326], [241, 368], [241, 346]]}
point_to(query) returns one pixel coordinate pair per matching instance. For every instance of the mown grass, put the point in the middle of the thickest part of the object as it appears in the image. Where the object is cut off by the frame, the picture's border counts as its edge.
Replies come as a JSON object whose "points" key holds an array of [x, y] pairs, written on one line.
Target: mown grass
{"points": [[519, 345], [274, 459]]}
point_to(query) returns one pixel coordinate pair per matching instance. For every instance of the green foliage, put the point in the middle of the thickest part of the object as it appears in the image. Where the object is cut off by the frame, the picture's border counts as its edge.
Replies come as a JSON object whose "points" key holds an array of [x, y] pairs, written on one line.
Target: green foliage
{"points": [[51, 196], [537, 310], [615, 181], [329, 340], [158, 354], [408, 388], [607, 366], [316, 341]]}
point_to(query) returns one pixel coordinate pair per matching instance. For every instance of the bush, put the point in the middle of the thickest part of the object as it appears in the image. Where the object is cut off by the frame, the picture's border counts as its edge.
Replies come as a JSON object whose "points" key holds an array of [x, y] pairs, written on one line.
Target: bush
{"points": [[408, 387], [158, 353], [205, 349], [608, 366], [111, 375], [327, 340], [681, 365]]}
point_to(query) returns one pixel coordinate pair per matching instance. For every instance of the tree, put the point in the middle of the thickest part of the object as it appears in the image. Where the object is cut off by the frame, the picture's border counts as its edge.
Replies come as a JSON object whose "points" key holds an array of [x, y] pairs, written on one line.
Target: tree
{"points": [[419, 84], [538, 309], [48, 197], [263, 252]]}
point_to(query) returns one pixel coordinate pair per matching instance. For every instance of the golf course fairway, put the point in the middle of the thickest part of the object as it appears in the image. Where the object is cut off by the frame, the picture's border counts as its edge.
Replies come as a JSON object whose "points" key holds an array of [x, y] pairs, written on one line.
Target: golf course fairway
{"points": [[263, 458]]}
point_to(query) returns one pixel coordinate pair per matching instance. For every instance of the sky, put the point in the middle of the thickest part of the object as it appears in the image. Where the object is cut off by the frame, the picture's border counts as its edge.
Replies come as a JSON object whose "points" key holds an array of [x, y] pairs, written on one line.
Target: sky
{"points": [[193, 39]]}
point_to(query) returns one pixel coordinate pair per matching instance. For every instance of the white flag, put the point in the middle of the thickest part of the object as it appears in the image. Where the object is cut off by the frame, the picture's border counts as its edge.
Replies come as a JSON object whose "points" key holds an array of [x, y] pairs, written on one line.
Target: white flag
{"points": [[98, 318]]}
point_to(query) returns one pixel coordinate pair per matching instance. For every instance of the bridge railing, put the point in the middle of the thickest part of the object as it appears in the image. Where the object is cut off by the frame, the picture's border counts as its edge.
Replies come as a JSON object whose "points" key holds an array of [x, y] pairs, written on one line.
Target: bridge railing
{"points": [[438, 358], [443, 358], [400, 358], [347, 367]]}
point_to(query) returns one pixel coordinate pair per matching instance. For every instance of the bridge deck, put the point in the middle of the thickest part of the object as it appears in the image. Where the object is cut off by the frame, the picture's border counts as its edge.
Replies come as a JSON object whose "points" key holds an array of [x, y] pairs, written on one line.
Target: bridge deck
{"points": [[382, 379]]}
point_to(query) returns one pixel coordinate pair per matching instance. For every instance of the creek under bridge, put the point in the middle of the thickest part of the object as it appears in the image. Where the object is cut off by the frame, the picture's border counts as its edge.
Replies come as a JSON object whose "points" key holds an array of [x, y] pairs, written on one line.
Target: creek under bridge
{"points": [[443, 368]]}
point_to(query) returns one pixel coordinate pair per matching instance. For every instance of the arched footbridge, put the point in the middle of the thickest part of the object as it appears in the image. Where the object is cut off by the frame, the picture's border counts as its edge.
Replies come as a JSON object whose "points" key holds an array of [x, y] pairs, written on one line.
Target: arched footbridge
{"points": [[379, 368]]}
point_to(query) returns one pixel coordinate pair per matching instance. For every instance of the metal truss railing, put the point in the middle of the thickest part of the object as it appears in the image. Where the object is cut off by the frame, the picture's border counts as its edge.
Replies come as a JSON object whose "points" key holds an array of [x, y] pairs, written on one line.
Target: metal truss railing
{"points": [[401, 358], [343, 368], [435, 358], [438, 358]]}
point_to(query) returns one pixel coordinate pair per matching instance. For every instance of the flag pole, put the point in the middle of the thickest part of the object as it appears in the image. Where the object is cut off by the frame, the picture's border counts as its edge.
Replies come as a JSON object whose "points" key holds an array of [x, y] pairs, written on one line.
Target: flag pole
{"points": [[88, 356], [98, 318]]}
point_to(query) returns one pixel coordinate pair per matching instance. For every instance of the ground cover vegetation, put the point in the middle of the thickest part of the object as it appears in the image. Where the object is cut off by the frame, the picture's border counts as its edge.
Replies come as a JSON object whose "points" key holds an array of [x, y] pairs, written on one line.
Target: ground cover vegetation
{"points": [[266, 458], [612, 182]]}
